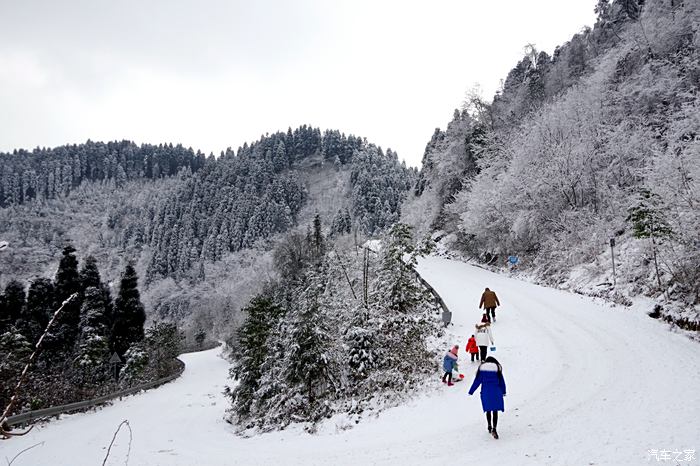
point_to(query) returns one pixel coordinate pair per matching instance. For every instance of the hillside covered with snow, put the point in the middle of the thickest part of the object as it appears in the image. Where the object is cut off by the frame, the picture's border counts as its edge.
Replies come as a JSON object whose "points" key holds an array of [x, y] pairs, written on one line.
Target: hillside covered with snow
{"points": [[593, 143], [587, 384]]}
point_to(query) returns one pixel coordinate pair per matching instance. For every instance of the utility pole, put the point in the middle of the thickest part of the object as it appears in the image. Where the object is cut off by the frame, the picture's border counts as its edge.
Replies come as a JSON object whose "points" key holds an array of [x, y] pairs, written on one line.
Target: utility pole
{"points": [[612, 251], [4, 246], [365, 278]]}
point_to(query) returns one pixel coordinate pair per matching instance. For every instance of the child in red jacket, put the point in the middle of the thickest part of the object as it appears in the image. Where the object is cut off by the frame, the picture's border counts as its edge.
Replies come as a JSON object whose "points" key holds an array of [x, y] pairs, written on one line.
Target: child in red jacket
{"points": [[473, 349]]}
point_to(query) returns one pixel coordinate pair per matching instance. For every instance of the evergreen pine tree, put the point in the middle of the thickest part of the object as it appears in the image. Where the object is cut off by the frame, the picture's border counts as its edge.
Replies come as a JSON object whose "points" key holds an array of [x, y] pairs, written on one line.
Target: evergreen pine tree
{"points": [[129, 314], [67, 282], [399, 259], [14, 352], [89, 274], [361, 354], [649, 222], [342, 223], [67, 277], [90, 277], [336, 224], [41, 304], [12, 304], [307, 364], [261, 316], [163, 343], [347, 222], [93, 342], [317, 240], [199, 337]]}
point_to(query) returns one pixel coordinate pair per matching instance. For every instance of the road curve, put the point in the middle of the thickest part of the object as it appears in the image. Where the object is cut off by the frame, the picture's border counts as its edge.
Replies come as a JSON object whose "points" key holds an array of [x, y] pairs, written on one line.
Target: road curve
{"points": [[588, 384]]}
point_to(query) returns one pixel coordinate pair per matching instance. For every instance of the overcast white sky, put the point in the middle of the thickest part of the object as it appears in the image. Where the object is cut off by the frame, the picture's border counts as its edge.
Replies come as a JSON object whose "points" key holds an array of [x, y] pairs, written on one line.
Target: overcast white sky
{"points": [[212, 74]]}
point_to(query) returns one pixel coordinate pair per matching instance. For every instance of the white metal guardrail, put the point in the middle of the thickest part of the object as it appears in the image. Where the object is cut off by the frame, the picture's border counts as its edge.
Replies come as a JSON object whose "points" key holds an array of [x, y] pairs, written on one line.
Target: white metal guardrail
{"points": [[446, 313]]}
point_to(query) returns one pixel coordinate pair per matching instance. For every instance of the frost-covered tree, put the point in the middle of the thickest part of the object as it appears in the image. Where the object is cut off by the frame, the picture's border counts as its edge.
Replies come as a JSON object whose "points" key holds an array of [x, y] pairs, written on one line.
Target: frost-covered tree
{"points": [[15, 350], [41, 304], [449, 161], [154, 356], [89, 274], [380, 184], [308, 372], [318, 241], [67, 282], [675, 178], [129, 314], [252, 349], [399, 279], [341, 223], [12, 305], [323, 350], [135, 364], [292, 256], [648, 219], [93, 341], [362, 351], [163, 341], [649, 222], [554, 181], [90, 277], [53, 173], [199, 337]]}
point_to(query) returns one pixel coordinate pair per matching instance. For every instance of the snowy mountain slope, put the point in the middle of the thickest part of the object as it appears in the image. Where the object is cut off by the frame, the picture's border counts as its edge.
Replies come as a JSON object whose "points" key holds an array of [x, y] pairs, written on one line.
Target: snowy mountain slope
{"points": [[587, 384]]}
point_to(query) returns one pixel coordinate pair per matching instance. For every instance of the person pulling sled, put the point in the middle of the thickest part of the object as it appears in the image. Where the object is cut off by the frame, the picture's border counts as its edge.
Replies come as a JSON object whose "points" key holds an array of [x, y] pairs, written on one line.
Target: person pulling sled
{"points": [[489, 301]]}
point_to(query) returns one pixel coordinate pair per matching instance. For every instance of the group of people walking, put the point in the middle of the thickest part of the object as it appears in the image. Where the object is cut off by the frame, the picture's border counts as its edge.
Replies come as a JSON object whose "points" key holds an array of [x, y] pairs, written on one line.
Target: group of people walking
{"points": [[489, 374]]}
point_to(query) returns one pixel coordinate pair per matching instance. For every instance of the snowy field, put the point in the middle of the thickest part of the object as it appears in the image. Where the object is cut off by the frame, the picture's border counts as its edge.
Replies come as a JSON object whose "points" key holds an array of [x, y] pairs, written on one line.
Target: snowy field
{"points": [[588, 384]]}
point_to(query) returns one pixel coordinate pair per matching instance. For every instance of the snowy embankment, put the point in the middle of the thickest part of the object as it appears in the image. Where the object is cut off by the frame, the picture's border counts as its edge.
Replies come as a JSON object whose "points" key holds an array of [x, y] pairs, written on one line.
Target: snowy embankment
{"points": [[587, 384]]}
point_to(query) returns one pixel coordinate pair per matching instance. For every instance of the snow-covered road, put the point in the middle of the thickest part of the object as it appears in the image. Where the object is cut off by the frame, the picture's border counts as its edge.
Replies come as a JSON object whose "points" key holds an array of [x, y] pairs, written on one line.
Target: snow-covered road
{"points": [[587, 384]]}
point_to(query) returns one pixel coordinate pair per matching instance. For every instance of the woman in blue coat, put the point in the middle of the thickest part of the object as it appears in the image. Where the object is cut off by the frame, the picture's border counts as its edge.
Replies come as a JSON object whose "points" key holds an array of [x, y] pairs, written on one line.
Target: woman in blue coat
{"points": [[493, 388]]}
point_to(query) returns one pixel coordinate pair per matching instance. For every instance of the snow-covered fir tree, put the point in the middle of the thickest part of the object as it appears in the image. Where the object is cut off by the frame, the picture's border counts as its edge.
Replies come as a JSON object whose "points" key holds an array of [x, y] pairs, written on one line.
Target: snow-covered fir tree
{"points": [[398, 273], [12, 304], [325, 349], [93, 341], [129, 313], [67, 282], [252, 348], [40, 307]]}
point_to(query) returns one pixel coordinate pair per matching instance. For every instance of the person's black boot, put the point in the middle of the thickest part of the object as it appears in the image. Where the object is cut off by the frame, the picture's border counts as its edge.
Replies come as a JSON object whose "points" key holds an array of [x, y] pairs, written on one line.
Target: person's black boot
{"points": [[495, 434], [490, 429]]}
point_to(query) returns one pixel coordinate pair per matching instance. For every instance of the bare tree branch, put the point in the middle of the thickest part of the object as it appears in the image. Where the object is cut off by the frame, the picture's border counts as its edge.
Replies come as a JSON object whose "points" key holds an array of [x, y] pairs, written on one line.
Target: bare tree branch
{"points": [[4, 429], [9, 463], [114, 437]]}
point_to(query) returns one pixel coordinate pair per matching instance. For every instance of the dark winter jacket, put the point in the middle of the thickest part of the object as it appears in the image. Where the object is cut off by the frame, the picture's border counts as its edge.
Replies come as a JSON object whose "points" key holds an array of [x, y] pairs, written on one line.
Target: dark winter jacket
{"points": [[488, 300], [493, 387]]}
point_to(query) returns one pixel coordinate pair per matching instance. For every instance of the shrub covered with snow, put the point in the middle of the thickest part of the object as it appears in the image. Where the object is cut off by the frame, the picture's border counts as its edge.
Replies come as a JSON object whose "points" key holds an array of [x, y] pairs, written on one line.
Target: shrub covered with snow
{"points": [[332, 334], [599, 141]]}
